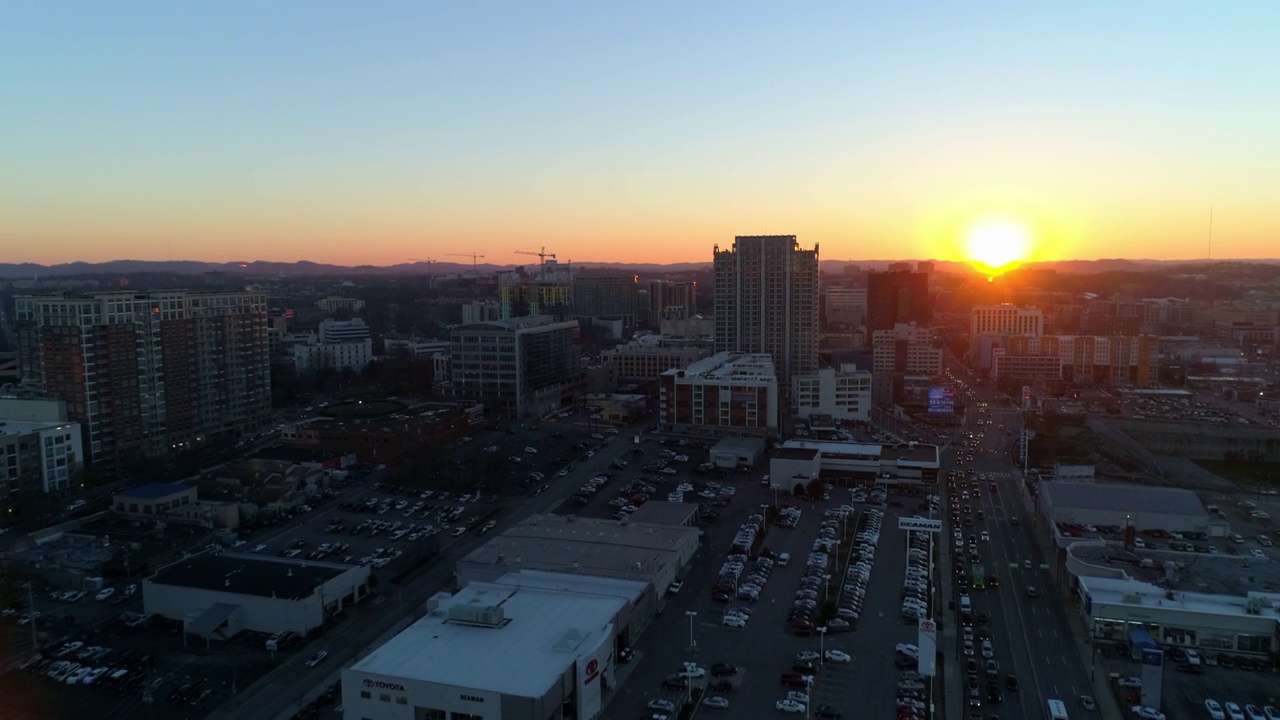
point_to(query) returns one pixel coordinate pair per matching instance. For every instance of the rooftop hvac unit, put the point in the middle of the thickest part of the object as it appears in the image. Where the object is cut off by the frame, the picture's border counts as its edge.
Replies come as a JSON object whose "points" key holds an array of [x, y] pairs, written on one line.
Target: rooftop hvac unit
{"points": [[487, 615]]}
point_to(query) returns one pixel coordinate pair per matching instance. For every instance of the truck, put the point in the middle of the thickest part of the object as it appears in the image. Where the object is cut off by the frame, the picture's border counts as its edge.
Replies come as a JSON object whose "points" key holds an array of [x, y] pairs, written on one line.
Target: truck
{"points": [[978, 577]]}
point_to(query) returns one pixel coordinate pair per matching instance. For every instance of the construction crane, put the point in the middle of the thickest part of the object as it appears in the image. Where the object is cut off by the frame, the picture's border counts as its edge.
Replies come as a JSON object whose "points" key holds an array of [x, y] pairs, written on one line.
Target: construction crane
{"points": [[428, 261], [542, 254], [474, 258]]}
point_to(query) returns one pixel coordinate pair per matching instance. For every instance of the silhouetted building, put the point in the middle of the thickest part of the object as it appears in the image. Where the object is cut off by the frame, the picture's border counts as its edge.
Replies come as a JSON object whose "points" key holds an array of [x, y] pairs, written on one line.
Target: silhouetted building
{"points": [[767, 302], [519, 367], [897, 297]]}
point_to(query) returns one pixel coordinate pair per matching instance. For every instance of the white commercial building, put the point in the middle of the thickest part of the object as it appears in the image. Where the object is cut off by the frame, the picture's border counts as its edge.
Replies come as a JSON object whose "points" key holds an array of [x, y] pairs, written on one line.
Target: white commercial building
{"points": [[910, 464], [843, 395], [496, 652], [39, 455], [1124, 609], [339, 345]]}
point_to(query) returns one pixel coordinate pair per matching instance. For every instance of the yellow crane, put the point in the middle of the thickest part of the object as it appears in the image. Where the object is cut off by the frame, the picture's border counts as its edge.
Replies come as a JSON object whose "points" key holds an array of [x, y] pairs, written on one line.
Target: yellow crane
{"points": [[541, 254]]}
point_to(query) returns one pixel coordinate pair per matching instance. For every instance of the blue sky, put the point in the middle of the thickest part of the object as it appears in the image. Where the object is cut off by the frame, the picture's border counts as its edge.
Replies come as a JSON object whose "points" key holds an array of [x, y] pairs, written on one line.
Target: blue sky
{"points": [[379, 131]]}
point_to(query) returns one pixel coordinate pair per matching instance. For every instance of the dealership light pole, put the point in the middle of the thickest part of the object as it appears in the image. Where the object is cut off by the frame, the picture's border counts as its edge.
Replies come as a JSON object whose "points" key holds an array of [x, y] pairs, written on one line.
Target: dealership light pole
{"points": [[691, 614]]}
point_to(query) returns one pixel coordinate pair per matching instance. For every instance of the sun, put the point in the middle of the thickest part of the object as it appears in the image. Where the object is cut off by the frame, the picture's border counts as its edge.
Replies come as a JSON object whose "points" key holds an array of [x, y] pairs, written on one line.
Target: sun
{"points": [[995, 244]]}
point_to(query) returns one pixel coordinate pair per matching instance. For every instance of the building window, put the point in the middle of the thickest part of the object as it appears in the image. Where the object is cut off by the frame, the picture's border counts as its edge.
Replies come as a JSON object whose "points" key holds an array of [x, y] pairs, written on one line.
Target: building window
{"points": [[384, 697], [366, 695], [431, 714], [402, 701]]}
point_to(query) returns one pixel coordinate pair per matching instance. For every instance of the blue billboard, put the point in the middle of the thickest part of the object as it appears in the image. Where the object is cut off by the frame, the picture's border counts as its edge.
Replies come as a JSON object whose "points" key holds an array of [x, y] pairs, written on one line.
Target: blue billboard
{"points": [[942, 400]]}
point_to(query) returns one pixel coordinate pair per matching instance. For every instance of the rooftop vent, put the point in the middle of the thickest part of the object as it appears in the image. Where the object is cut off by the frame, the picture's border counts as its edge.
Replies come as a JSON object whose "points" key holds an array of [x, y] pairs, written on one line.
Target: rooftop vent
{"points": [[484, 615]]}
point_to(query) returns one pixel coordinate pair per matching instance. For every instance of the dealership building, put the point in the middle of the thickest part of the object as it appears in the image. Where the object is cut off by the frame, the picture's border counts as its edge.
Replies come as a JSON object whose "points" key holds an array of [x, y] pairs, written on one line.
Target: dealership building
{"points": [[540, 649], [800, 461], [1146, 508], [216, 595]]}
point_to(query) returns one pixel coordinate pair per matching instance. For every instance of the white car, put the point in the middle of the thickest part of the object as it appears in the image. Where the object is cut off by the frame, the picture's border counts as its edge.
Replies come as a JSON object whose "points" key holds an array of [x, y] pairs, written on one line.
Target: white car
{"points": [[1146, 713], [1215, 709], [838, 656], [1253, 713], [104, 593], [693, 670], [1257, 552], [1233, 711], [908, 649], [663, 705], [734, 621], [790, 706], [717, 702]]}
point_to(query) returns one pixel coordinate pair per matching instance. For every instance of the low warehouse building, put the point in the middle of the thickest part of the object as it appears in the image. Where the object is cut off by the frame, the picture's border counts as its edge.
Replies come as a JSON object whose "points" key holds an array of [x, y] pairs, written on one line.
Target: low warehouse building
{"points": [[216, 595], [495, 652], [1147, 508]]}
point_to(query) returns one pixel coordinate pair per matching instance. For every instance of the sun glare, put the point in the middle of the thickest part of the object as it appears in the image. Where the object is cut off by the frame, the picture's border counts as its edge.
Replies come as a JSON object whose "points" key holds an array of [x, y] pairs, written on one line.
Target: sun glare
{"points": [[997, 244]]}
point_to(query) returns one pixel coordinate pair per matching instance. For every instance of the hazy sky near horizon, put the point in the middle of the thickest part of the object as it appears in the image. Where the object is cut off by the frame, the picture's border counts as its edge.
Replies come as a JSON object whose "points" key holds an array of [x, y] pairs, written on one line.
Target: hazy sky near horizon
{"points": [[382, 132]]}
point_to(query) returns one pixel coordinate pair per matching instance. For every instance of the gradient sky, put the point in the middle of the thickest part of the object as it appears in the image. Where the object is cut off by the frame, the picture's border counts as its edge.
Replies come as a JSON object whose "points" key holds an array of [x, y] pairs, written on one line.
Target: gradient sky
{"points": [[379, 132]]}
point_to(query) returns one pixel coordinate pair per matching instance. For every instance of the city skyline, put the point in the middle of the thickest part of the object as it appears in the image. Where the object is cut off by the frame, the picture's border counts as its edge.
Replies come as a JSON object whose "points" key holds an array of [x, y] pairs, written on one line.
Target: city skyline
{"points": [[357, 135]]}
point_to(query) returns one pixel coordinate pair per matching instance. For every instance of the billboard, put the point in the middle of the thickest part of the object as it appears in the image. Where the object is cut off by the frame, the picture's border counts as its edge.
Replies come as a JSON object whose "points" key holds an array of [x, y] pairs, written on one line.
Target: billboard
{"points": [[942, 400], [927, 645]]}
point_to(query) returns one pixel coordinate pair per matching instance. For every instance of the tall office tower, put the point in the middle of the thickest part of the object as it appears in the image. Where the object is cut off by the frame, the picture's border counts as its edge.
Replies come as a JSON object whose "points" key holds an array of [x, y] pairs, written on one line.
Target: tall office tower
{"points": [[766, 301], [148, 373], [897, 296]]}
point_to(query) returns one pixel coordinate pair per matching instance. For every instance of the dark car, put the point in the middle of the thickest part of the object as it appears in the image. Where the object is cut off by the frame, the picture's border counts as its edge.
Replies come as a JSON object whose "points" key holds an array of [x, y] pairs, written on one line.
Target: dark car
{"points": [[1011, 682], [827, 711], [1190, 669], [806, 668], [993, 693], [675, 682], [721, 686], [723, 670]]}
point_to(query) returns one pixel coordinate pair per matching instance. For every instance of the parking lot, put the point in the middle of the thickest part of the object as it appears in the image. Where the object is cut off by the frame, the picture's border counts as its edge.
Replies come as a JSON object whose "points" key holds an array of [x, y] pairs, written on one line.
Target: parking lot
{"points": [[1185, 687], [809, 564]]}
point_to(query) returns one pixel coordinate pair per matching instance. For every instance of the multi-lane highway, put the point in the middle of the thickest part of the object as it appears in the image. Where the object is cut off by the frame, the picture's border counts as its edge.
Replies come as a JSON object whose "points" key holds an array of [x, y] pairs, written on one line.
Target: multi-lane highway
{"points": [[1030, 634]]}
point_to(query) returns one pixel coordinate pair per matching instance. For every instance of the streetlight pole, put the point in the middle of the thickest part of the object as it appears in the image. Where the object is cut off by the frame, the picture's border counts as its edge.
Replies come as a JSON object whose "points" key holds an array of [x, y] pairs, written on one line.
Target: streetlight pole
{"points": [[691, 614], [822, 644]]}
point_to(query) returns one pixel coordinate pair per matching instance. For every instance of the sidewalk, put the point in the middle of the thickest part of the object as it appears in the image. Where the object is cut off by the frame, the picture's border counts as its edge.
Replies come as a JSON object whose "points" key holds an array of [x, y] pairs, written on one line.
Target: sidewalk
{"points": [[1102, 694]]}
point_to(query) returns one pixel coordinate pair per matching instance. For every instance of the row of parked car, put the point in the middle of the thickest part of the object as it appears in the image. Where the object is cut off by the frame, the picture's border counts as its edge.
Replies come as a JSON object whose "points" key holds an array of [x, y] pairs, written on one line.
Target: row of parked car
{"points": [[75, 663], [916, 584]]}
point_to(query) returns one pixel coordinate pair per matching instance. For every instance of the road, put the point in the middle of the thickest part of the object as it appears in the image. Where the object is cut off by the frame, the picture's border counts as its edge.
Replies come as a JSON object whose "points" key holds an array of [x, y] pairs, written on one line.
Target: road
{"points": [[1031, 636]]}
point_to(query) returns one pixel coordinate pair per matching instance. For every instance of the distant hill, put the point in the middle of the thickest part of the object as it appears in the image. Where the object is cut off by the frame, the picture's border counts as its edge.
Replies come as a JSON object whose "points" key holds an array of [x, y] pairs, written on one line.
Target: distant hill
{"points": [[303, 268]]}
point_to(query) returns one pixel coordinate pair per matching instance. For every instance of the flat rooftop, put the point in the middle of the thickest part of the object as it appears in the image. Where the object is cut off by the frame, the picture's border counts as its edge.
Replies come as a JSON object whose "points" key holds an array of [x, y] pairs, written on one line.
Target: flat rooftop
{"points": [[154, 491], [1122, 497], [1136, 593], [545, 632], [661, 512], [248, 574], [792, 453], [1214, 574], [918, 453], [585, 546]]}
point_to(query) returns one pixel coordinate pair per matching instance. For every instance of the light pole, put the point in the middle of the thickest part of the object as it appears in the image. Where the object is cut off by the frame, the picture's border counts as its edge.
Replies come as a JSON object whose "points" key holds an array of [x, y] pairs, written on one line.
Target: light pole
{"points": [[691, 614], [822, 643]]}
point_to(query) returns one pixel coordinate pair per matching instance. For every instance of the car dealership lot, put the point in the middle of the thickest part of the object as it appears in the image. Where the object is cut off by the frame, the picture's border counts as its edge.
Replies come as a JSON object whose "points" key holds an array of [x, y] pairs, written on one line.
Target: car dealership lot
{"points": [[767, 647]]}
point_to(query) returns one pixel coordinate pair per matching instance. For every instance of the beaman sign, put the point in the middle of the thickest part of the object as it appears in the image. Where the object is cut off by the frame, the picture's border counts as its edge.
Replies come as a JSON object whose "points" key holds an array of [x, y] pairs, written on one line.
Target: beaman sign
{"points": [[920, 524]]}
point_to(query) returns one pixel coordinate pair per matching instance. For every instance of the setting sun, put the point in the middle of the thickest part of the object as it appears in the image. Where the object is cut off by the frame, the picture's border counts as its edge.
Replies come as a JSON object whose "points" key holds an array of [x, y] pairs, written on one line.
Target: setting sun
{"points": [[997, 243]]}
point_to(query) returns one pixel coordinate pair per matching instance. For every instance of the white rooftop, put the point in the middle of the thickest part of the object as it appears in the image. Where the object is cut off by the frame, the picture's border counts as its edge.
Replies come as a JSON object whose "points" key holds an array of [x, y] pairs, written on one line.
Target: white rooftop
{"points": [[544, 633], [1135, 593], [24, 427]]}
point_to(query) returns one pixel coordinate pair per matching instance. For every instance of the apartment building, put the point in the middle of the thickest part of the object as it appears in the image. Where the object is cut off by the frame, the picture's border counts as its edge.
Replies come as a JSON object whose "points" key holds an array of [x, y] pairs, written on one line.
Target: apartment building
{"points": [[897, 297], [149, 372], [644, 361], [766, 301], [41, 452], [727, 394], [1087, 360], [520, 367], [843, 394], [605, 298], [989, 324]]}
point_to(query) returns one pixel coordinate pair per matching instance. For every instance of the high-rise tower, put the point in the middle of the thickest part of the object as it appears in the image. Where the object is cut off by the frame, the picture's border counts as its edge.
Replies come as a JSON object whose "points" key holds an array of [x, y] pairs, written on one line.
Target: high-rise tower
{"points": [[766, 301]]}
